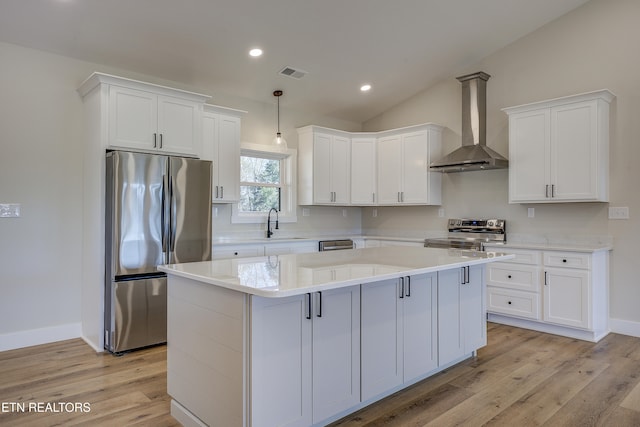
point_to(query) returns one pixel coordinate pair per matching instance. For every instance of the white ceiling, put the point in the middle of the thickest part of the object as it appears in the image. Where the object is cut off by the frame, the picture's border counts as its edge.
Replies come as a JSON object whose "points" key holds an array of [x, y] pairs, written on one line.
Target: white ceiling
{"points": [[401, 47]]}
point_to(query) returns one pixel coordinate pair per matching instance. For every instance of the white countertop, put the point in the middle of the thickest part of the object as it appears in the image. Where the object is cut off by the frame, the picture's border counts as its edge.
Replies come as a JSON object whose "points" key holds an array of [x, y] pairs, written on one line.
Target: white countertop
{"points": [[295, 274], [554, 246]]}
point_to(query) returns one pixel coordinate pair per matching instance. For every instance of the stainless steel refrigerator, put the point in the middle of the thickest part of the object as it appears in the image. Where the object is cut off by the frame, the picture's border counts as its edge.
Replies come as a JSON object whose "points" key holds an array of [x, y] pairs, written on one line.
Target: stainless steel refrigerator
{"points": [[158, 211]]}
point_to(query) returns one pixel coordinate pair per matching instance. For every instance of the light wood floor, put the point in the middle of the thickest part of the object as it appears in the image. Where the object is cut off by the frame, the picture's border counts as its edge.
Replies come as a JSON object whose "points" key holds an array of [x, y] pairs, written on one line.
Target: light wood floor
{"points": [[522, 378]]}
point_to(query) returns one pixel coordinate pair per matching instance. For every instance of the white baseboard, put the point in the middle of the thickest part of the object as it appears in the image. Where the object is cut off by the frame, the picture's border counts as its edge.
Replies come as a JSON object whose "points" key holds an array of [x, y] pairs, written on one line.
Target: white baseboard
{"points": [[182, 414], [39, 336], [625, 327]]}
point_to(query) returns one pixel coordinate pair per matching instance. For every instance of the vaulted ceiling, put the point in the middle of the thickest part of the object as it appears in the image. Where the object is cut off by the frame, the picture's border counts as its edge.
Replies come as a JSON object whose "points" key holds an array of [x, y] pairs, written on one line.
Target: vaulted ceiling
{"points": [[400, 47]]}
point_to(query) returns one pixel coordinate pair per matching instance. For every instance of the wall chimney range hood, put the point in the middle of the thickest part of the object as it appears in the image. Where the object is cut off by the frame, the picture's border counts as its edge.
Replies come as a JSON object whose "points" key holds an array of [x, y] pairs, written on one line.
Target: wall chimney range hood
{"points": [[474, 153]]}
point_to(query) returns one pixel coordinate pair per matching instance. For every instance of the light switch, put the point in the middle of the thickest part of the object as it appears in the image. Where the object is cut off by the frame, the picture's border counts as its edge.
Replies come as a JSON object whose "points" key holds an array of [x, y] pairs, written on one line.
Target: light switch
{"points": [[531, 212], [9, 210]]}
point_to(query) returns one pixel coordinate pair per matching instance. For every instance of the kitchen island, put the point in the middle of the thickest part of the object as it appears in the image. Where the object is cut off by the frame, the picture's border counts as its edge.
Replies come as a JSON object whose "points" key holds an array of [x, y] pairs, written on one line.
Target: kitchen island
{"points": [[305, 339]]}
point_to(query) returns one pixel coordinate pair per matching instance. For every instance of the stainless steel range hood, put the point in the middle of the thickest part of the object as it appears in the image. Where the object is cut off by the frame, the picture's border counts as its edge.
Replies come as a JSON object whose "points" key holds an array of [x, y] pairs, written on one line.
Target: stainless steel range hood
{"points": [[474, 153]]}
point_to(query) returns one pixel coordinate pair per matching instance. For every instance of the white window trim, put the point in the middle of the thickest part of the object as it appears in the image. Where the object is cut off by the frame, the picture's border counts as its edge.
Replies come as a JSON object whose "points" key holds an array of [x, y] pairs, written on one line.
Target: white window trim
{"points": [[288, 208]]}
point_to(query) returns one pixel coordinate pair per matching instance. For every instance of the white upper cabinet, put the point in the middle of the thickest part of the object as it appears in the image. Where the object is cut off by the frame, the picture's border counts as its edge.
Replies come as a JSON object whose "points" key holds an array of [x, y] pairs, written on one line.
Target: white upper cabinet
{"points": [[559, 149], [403, 167], [324, 172], [221, 144], [369, 168], [363, 171], [147, 117]]}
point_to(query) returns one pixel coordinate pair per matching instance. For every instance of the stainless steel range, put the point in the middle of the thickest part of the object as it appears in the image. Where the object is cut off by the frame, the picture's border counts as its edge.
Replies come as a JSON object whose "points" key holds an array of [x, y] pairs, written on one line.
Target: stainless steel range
{"points": [[470, 234]]}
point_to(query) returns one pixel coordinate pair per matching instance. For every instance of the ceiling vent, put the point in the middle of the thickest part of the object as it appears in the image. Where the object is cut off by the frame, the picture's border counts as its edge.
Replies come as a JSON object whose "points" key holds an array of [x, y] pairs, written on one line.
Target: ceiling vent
{"points": [[292, 72]]}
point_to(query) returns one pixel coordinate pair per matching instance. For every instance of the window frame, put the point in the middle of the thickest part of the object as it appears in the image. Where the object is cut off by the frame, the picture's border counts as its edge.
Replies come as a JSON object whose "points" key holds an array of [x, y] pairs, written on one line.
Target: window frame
{"points": [[288, 192]]}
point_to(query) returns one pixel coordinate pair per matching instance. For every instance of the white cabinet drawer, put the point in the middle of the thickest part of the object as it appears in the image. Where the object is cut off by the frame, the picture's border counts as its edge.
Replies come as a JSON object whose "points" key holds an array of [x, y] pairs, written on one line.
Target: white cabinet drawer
{"points": [[567, 259], [523, 256], [238, 252], [514, 276], [513, 303]]}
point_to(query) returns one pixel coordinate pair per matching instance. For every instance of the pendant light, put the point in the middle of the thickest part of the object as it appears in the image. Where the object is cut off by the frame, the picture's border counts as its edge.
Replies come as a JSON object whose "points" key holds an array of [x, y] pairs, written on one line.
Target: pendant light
{"points": [[279, 141]]}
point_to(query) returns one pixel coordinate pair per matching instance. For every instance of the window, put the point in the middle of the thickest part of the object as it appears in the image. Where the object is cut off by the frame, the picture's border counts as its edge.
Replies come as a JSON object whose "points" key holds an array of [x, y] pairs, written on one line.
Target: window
{"points": [[260, 184], [266, 181]]}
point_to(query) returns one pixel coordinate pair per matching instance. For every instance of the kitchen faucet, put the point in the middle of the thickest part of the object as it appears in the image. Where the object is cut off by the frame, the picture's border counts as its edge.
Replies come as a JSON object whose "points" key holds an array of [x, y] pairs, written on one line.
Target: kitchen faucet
{"points": [[269, 232]]}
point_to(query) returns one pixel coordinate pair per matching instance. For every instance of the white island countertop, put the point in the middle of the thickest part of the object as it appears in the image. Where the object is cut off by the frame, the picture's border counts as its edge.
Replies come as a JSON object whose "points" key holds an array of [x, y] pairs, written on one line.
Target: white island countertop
{"points": [[296, 274]]}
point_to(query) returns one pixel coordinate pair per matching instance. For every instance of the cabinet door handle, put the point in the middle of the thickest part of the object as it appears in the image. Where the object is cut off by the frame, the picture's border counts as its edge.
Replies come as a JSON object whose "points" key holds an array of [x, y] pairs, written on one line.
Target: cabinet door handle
{"points": [[373, 197], [402, 196], [319, 305], [465, 275], [408, 293], [553, 190], [546, 283], [546, 190], [401, 284], [222, 192], [155, 140], [307, 307], [509, 276], [160, 140]]}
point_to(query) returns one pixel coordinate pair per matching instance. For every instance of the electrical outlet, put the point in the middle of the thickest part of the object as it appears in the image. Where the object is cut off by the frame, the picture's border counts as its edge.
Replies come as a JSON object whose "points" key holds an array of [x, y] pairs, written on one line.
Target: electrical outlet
{"points": [[10, 210], [619, 213], [441, 213], [305, 212], [531, 212], [374, 212], [344, 213]]}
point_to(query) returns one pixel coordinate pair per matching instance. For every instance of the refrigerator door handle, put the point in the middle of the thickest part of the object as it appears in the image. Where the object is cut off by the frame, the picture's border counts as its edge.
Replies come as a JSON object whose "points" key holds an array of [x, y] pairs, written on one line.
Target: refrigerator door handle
{"points": [[164, 216], [172, 220]]}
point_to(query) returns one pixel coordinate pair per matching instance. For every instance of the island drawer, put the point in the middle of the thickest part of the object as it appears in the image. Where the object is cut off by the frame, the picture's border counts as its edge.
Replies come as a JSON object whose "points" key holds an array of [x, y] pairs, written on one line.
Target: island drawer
{"points": [[567, 259], [514, 276], [513, 303]]}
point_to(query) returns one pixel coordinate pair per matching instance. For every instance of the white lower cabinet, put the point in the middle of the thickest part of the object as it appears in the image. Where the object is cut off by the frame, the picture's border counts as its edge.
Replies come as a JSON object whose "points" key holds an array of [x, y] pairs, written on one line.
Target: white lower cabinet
{"points": [[561, 292], [399, 332], [305, 357], [567, 297], [461, 315]]}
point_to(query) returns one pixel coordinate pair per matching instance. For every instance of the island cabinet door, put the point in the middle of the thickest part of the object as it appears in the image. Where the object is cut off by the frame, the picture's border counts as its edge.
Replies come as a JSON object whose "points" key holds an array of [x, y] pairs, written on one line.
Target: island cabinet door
{"points": [[462, 323], [280, 362], [420, 325], [381, 337], [450, 338], [474, 309], [336, 351]]}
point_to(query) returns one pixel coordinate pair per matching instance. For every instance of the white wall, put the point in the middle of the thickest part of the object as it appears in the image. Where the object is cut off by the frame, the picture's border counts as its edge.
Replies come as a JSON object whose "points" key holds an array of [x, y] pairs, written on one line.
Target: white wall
{"points": [[40, 168], [593, 47], [41, 143]]}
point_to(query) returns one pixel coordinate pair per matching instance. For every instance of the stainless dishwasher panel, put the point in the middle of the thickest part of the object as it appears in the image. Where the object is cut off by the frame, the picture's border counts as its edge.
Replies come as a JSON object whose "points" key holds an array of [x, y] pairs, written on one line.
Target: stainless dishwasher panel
{"points": [[139, 313], [335, 245]]}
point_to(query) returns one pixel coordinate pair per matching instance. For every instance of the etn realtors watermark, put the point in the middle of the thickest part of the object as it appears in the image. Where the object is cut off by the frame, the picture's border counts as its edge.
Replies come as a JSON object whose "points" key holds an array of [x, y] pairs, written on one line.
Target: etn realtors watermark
{"points": [[44, 407]]}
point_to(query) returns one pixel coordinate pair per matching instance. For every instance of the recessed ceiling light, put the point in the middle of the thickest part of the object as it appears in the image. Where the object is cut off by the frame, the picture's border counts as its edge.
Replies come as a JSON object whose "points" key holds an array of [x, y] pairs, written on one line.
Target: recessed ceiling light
{"points": [[365, 88], [255, 52]]}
